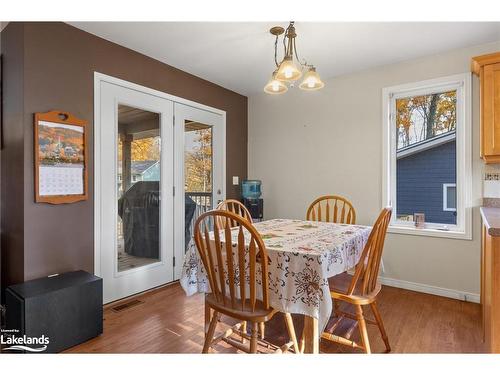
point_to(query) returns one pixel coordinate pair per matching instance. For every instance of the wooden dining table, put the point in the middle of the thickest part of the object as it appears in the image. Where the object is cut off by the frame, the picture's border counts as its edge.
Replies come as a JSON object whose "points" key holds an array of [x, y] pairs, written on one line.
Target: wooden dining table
{"points": [[303, 255]]}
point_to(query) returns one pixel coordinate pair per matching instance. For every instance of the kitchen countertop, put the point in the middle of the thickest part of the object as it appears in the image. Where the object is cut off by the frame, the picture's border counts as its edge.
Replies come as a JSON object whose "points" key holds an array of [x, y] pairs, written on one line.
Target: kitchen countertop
{"points": [[491, 218]]}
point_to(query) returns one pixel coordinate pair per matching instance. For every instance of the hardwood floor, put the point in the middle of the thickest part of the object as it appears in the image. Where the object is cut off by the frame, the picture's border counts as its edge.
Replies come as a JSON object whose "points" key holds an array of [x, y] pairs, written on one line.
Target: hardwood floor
{"points": [[169, 322]]}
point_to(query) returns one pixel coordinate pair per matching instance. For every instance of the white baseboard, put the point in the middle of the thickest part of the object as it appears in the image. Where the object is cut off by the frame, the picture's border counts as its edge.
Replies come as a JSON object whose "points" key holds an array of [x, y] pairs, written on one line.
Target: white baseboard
{"points": [[423, 288]]}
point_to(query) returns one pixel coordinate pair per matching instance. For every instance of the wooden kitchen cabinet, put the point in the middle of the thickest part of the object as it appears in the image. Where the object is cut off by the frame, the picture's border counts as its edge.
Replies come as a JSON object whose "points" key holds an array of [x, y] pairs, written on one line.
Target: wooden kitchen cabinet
{"points": [[490, 279], [487, 67]]}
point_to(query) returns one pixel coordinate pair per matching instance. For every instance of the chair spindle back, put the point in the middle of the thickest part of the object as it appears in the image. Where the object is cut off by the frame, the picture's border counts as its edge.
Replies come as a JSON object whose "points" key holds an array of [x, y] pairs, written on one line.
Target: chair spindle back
{"points": [[333, 209], [236, 207], [367, 269], [228, 272]]}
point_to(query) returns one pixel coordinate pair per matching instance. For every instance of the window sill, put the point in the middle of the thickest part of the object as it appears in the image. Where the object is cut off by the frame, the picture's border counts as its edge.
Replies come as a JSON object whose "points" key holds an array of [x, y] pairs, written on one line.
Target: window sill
{"points": [[429, 232]]}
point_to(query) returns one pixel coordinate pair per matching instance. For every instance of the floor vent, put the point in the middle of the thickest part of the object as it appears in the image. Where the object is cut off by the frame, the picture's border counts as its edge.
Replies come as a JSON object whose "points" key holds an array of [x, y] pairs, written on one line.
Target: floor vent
{"points": [[127, 305]]}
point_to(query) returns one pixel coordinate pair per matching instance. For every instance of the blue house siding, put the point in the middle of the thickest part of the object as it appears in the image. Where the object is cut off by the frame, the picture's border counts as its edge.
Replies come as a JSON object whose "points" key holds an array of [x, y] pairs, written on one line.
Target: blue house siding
{"points": [[420, 179], [152, 173]]}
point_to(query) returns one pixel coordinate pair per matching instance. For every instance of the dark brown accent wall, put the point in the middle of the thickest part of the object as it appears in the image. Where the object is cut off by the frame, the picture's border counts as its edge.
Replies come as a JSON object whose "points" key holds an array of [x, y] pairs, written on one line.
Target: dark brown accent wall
{"points": [[12, 204], [57, 66]]}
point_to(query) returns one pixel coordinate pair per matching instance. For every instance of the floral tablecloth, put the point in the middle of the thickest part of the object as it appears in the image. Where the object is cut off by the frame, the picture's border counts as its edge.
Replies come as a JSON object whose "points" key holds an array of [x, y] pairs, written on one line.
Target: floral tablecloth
{"points": [[303, 255]]}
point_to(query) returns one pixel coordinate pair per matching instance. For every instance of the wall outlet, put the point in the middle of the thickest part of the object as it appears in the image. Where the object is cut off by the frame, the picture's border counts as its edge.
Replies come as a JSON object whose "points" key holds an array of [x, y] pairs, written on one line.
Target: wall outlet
{"points": [[236, 180]]}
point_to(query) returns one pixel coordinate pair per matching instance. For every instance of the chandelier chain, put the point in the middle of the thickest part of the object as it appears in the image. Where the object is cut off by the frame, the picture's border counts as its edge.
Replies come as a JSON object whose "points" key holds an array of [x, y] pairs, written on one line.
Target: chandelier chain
{"points": [[276, 51], [297, 56], [284, 40]]}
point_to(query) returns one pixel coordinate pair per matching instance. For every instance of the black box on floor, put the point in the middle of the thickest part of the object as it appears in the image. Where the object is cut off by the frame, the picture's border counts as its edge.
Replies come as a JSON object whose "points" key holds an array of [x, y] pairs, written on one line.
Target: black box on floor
{"points": [[66, 308]]}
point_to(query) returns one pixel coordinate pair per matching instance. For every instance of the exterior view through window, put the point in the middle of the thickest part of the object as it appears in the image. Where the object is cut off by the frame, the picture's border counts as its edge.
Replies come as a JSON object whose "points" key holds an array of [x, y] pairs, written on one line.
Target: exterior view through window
{"points": [[426, 166], [138, 186], [198, 160]]}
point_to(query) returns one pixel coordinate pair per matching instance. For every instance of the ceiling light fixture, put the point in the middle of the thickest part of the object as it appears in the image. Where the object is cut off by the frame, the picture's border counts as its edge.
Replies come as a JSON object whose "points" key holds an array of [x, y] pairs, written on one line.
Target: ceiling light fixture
{"points": [[287, 70], [275, 86], [311, 80]]}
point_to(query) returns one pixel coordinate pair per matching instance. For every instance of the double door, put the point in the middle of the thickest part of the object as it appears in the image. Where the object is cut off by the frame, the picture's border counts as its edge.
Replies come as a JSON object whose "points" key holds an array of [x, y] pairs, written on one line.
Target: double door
{"points": [[159, 164]]}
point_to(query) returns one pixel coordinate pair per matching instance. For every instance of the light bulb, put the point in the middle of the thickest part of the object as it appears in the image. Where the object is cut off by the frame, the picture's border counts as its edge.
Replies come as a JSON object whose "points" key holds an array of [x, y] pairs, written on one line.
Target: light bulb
{"points": [[274, 86], [311, 81], [288, 71]]}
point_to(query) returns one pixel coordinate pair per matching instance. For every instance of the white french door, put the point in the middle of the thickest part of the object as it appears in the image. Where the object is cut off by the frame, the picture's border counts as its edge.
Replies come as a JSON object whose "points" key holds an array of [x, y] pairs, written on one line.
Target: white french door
{"points": [[136, 168], [159, 164]]}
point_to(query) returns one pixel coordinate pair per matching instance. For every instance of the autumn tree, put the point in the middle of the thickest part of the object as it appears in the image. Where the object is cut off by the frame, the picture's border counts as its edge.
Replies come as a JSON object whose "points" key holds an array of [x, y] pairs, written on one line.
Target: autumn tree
{"points": [[146, 149], [198, 163], [142, 149], [422, 117], [404, 109]]}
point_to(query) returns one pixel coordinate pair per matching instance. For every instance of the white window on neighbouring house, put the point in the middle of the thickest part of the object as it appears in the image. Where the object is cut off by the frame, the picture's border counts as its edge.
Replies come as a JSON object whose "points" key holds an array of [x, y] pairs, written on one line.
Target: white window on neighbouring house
{"points": [[450, 197], [427, 156]]}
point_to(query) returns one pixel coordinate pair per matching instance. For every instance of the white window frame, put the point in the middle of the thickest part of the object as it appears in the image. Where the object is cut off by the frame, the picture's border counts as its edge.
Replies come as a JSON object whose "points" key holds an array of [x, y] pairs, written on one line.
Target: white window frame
{"points": [[462, 84], [445, 197]]}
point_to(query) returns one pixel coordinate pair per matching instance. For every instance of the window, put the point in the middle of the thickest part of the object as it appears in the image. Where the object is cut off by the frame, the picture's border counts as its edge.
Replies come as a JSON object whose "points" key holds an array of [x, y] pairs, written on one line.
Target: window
{"points": [[450, 197], [427, 156]]}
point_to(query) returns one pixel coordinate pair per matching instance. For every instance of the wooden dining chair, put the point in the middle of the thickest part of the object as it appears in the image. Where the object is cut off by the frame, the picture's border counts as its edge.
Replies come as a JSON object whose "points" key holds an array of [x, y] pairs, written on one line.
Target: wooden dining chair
{"points": [[236, 207], [362, 289], [235, 290], [333, 209]]}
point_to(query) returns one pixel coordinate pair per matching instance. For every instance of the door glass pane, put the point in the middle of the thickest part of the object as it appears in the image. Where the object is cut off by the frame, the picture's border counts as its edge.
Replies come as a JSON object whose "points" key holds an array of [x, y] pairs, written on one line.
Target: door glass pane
{"points": [[138, 185], [198, 163]]}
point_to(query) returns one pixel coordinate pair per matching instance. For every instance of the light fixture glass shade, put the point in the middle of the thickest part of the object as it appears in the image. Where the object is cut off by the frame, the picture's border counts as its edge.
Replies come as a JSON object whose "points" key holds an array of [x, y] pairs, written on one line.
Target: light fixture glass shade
{"points": [[275, 86], [311, 81], [288, 71]]}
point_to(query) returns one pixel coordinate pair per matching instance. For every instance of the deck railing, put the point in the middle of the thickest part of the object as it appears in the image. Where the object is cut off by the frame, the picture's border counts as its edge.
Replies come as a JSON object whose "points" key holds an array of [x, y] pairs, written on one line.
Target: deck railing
{"points": [[203, 202]]}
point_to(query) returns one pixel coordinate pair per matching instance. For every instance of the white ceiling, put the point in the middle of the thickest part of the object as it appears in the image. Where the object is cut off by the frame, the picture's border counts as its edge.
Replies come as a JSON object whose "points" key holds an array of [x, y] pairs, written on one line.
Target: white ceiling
{"points": [[240, 56]]}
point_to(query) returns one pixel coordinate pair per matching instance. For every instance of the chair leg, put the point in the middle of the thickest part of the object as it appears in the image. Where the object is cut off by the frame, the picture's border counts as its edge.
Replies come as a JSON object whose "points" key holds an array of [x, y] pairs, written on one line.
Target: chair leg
{"points": [[302, 343], [208, 317], [211, 330], [336, 305], [244, 330], [362, 329], [291, 332], [380, 325], [262, 330], [254, 337]]}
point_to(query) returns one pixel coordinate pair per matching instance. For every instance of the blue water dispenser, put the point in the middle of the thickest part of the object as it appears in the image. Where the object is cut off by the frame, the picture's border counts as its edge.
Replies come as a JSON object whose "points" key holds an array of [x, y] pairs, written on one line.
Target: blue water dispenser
{"points": [[250, 189], [250, 193]]}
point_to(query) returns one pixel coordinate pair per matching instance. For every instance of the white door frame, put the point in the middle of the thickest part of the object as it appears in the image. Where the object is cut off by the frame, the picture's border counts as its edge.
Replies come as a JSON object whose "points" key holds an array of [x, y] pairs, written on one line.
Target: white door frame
{"points": [[98, 78]]}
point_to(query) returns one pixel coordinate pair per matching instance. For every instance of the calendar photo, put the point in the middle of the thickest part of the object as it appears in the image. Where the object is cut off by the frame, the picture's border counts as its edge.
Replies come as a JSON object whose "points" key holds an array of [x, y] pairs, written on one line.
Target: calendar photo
{"points": [[60, 158]]}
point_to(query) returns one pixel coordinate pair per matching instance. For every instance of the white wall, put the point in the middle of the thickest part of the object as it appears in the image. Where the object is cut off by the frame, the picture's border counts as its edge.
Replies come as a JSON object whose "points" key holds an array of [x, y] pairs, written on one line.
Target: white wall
{"points": [[306, 144]]}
